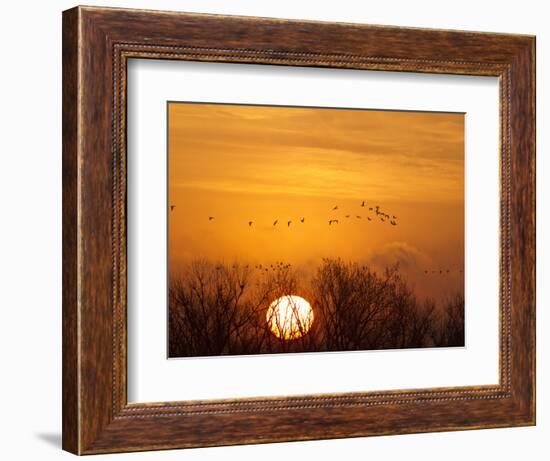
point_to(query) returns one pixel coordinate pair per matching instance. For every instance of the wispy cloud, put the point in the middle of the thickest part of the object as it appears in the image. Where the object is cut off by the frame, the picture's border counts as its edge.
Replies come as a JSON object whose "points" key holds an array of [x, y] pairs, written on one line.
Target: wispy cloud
{"points": [[402, 253], [343, 153]]}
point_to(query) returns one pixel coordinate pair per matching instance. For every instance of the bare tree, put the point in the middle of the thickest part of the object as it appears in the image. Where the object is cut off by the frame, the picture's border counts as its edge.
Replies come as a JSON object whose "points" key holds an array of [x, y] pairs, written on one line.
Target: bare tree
{"points": [[207, 306], [449, 328], [363, 310]]}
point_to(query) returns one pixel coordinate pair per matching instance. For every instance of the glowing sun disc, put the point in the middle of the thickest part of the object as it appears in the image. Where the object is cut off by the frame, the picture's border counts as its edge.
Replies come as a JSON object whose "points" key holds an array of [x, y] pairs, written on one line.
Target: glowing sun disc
{"points": [[289, 317]]}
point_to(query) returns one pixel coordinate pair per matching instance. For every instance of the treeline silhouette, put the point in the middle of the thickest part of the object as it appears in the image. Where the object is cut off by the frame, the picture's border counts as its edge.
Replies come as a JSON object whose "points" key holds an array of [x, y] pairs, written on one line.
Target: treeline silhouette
{"points": [[220, 309]]}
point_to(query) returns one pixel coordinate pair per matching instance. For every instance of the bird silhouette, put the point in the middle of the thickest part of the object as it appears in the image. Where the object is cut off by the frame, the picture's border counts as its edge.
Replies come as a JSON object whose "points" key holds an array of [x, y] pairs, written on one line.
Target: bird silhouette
{"points": [[289, 223], [250, 223], [275, 222], [347, 216], [172, 207], [358, 217], [302, 220], [363, 204], [335, 221], [370, 208], [369, 218], [393, 223], [210, 218], [382, 219], [335, 208], [394, 217]]}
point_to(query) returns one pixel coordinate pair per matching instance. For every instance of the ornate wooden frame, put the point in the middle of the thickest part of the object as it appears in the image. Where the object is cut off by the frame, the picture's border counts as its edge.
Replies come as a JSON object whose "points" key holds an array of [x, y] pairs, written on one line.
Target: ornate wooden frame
{"points": [[97, 43]]}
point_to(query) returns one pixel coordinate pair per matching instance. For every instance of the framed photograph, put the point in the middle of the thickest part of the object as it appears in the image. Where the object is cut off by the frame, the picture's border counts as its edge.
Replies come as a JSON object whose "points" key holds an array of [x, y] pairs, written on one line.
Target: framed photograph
{"points": [[282, 230]]}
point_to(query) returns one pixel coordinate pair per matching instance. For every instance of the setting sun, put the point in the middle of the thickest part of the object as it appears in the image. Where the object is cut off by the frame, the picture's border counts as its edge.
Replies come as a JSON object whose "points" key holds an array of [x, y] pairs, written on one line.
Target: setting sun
{"points": [[289, 317]]}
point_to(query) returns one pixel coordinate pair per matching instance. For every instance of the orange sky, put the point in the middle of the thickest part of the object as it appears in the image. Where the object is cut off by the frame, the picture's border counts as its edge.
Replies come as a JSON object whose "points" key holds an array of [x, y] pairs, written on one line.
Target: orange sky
{"points": [[261, 163]]}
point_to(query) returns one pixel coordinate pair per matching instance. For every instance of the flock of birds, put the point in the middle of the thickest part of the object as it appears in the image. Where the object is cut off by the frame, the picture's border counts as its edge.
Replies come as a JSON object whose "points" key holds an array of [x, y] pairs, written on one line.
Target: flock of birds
{"points": [[277, 266], [442, 271], [378, 213]]}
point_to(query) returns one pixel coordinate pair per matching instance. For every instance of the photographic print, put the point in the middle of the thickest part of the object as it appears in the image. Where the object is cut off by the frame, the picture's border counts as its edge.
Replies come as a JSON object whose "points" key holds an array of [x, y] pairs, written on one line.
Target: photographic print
{"points": [[313, 229]]}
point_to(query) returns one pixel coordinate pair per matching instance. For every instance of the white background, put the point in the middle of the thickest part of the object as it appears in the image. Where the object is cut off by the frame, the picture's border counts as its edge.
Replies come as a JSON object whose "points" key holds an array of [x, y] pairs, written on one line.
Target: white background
{"points": [[30, 247], [153, 378]]}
